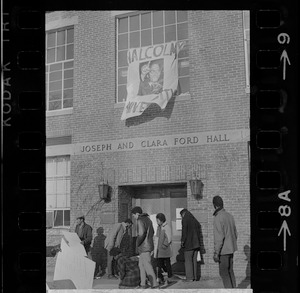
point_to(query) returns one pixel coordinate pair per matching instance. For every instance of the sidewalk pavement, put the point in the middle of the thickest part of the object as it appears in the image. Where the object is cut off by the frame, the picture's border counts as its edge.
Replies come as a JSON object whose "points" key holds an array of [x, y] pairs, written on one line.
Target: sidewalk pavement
{"points": [[214, 283]]}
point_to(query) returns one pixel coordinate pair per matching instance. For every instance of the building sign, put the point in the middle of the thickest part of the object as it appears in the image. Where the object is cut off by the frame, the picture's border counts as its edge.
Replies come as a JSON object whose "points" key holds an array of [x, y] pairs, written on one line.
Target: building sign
{"points": [[152, 77], [166, 141]]}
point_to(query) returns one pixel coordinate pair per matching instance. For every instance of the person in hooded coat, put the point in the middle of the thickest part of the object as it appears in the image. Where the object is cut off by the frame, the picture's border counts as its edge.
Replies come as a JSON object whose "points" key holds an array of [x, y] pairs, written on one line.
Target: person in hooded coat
{"points": [[191, 243]]}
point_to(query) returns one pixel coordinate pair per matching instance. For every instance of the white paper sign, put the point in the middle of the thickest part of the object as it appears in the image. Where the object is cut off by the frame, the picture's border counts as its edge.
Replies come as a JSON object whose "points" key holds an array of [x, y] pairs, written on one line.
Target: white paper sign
{"points": [[178, 225], [74, 266], [178, 210], [73, 241]]}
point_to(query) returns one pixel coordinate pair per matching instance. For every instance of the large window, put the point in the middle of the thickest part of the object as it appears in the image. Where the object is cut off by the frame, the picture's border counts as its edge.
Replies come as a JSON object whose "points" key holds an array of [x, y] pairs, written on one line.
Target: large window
{"points": [[59, 69], [151, 28], [58, 191]]}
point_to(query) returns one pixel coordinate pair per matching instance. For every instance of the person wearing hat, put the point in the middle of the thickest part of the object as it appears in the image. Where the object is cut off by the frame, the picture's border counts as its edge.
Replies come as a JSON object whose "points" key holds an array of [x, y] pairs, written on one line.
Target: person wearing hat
{"points": [[84, 232], [225, 242]]}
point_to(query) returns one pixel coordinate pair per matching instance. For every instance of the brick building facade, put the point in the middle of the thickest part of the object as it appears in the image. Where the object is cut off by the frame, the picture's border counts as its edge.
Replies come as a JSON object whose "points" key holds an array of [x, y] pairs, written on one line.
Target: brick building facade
{"points": [[148, 160]]}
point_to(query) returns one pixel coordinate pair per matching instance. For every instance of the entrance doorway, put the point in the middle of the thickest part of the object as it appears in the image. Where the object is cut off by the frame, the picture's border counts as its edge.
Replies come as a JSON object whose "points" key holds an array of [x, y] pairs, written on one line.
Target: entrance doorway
{"points": [[166, 199]]}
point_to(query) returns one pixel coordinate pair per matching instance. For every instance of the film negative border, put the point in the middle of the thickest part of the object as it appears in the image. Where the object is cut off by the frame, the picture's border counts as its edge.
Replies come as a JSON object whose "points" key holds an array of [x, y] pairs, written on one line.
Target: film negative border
{"points": [[23, 138], [274, 105], [274, 213]]}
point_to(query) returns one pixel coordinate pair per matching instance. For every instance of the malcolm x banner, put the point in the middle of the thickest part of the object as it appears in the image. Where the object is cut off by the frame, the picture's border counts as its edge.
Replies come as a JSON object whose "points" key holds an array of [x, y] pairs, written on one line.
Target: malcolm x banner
{"points": [[152, 77]]}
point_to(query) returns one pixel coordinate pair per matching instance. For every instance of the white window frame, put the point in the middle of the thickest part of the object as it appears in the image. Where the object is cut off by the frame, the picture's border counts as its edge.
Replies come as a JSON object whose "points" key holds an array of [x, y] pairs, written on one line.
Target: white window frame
{"points": [[61, 111], [53, 209], [132, 13]]}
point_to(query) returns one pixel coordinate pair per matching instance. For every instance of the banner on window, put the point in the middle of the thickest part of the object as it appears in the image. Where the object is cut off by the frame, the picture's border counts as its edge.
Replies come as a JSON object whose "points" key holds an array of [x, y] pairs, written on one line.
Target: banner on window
{"points": [[152, 77]]}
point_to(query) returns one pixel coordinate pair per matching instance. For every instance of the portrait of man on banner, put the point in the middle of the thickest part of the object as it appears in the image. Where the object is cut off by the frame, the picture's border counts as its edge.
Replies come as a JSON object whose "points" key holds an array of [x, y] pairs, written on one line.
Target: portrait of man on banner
{"points": [[152, 77]]}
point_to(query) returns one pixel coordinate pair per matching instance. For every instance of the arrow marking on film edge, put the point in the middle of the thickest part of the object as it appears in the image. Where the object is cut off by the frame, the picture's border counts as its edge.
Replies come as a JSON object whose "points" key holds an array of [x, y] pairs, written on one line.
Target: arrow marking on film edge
{"points": [[285, 58], [285, 229]]}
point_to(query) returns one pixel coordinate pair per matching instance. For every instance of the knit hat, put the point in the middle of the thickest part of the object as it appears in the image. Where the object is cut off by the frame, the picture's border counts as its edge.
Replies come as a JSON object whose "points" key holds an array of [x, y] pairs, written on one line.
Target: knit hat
{"points": [[218, 201]]}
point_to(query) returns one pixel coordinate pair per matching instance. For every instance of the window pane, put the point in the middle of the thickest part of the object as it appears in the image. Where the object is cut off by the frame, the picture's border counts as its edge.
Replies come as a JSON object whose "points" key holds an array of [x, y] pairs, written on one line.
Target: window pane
{"points": [[55, 86], [51, 201], [55, 67], [55, 96], [146, 20], [61, 186], [51, 40], [184, 85], [123, 42], [170, 33], [56, 75], [68, 83], [55, 105], [146, 38], [61, 166], [135, 40], [68, 94], [183, 67], [51, 168], [134, 23], [123, 25], [66, 218], [182, 30], [122, 93], [169, 17], [51, 186], [122, 58], [70, 36], [49, 219], [50, 55], [70, 51], [181, 16], [47, 68], [122, 75], [58, 218], [184, 52], [60, 53], [157, 18], [68, 73], [61, 38], [68, 64], [158, 36], [68, 103]]}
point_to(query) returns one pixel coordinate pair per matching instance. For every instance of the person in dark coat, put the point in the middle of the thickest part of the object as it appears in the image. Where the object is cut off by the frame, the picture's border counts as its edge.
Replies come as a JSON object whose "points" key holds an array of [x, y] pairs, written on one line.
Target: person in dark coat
{"points": [[84, 232], [191, 243]]}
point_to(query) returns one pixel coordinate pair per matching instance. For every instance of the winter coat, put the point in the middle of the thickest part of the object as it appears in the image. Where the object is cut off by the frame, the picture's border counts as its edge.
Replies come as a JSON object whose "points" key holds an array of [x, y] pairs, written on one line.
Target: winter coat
{"points": [[163, 249], [115, 236], [225, 233], [145, 232], [191, 232], [86, 236]]}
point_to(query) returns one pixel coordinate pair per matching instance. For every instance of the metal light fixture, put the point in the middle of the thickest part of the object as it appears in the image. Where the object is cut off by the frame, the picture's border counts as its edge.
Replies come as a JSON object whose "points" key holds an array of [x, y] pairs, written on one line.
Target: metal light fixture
{"points": [[197, 188], [103, 190]]}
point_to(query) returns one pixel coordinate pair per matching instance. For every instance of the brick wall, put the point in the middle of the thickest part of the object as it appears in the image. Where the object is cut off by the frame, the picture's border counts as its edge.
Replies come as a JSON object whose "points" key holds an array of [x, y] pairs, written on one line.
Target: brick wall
{"points": [[217, 101]]}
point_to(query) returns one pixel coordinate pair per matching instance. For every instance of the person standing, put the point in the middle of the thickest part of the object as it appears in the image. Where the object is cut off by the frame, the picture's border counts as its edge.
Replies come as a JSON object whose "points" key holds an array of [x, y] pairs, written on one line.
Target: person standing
{"points": [[145, 246], [113, 241], [84, 232], [225, 242], [163, 251], [191, 243]]}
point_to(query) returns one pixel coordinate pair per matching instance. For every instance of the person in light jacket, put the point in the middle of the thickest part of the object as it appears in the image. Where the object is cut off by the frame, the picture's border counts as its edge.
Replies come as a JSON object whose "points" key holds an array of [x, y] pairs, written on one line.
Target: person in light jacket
{"points": [[225, 242], [145, 246], [114, 240], [163, 249]]}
